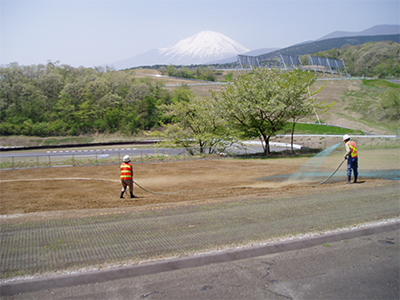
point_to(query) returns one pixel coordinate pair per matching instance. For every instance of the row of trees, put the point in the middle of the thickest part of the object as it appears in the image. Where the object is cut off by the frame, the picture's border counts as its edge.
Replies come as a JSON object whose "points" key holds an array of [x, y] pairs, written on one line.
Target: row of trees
{"points": [[197, 72], [45, 100]]}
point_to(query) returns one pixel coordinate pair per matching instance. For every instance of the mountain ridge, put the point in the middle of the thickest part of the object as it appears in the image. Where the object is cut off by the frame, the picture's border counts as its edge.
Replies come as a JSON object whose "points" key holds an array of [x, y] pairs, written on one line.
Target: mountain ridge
{"points": [[374, 30], [328, 44], [209, 47]]}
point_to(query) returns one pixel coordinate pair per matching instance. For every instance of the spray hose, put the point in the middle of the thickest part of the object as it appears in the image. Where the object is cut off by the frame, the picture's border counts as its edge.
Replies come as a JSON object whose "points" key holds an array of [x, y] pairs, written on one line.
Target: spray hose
{"points": [[151, 192], [171, 193], [334, 172], [155, 193]]}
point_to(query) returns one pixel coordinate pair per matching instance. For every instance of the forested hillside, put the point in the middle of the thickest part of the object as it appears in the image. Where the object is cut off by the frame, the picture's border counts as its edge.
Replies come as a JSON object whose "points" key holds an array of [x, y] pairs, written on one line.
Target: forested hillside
{"points": [[380, 59], [45, 100]]}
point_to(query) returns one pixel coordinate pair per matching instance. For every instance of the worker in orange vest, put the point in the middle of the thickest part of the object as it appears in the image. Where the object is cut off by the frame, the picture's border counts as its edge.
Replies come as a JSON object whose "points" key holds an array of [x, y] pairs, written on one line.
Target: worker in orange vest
{"points": [[127, 176], [352, 158]]}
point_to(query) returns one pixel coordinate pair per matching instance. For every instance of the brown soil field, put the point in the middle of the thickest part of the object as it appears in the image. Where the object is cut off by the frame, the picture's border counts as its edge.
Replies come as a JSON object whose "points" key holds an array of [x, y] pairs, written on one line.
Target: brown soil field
{"points": [[94, 187], [83, 191]]}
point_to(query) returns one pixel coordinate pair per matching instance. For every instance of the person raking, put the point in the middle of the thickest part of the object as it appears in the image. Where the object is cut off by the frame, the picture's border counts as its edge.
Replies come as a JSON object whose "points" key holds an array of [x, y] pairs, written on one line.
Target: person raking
{"points": [[352, 158], [127, 176]]}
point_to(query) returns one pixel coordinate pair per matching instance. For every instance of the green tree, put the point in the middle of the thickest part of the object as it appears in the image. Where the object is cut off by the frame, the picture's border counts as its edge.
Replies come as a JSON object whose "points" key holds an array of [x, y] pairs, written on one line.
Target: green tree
{"points": [[297, 95], [12, 81], [253, 105], [390, 104], [259, 104], [198, 125], [182, 94]]}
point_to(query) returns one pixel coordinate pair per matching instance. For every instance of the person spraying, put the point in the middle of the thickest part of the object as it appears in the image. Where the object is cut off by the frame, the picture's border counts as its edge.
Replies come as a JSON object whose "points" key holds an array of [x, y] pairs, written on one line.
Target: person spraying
{"points": [[352, 158], [127, 176]]}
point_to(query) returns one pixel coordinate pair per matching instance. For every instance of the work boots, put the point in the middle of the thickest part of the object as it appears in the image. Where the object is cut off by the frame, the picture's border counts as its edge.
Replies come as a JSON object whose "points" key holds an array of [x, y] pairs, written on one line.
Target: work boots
{"points": [[355, 179], [132, 195], [348, 179]]}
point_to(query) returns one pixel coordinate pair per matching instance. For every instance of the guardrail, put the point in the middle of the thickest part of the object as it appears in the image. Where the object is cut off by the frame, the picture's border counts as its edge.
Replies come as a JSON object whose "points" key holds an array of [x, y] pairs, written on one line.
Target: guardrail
{"points": [[15, 148]]}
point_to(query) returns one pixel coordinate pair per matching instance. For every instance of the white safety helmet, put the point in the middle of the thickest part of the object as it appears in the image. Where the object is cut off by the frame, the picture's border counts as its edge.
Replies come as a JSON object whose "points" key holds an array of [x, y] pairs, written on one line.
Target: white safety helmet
{"points": [[346, 137], [127, 158]]}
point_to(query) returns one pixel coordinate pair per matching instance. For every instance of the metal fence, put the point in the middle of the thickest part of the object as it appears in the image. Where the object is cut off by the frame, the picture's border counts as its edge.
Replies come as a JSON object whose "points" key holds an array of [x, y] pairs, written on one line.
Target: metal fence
{"points": [[91, 158]]}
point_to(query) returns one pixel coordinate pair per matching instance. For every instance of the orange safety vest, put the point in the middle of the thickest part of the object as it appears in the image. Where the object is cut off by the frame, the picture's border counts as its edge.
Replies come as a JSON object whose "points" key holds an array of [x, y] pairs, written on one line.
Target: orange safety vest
{"points": [[126, 171], [353, 148]]}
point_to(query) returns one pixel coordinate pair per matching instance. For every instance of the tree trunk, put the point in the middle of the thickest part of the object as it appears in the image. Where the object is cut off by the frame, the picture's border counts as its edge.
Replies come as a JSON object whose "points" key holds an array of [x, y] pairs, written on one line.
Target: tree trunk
{"points": [[265, 143], [291, 137]]}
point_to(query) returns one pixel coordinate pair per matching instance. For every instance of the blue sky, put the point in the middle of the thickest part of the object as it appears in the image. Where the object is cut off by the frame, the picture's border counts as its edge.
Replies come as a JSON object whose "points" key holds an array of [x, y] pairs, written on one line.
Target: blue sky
{"points": [[98, 32]]}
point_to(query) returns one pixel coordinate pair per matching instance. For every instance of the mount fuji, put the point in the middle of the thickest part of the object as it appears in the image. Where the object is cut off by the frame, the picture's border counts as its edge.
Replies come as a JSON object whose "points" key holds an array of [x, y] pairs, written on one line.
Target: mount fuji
{"points": [[203, 47]]}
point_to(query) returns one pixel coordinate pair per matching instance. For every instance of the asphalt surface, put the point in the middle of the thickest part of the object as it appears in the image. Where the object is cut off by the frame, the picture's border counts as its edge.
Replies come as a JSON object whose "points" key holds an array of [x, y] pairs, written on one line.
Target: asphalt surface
{"points": [[217, 251]]}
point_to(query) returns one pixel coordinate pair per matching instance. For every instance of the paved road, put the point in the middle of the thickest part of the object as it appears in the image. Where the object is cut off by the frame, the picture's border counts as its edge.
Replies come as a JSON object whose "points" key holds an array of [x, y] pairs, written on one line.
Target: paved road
{"points": [[92, 152], [394, 80], [103, 152]]}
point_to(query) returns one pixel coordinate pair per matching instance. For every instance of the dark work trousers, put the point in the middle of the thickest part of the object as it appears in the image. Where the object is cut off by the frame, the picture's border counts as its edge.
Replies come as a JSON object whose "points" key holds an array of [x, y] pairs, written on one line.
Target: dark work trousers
{"points": [[352, 164]]}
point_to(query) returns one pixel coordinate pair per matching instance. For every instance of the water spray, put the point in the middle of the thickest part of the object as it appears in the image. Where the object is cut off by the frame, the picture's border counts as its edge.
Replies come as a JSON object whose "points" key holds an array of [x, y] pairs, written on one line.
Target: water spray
{"points": [[310, 169], [334, 172]]}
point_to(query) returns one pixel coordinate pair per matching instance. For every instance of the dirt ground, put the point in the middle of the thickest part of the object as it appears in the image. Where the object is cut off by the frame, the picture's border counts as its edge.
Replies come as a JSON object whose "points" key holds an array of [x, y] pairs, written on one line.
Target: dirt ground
{"points": [[37, 190], [82, 191]]}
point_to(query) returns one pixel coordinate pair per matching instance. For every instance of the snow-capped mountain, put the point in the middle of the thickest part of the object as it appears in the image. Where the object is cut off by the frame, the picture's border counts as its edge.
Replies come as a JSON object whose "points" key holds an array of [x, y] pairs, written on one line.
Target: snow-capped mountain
{"points": [[203, 47]]}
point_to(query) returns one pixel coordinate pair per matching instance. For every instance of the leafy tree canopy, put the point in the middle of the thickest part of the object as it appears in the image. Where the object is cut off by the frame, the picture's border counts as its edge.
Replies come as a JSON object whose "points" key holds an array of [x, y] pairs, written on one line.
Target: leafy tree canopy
{"points": [[259, 104], [52, 99], [197, 125]]}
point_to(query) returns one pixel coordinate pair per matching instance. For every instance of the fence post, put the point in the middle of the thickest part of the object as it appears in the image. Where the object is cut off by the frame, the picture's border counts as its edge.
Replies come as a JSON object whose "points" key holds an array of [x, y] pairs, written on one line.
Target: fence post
{"points": [[49, 161]]}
